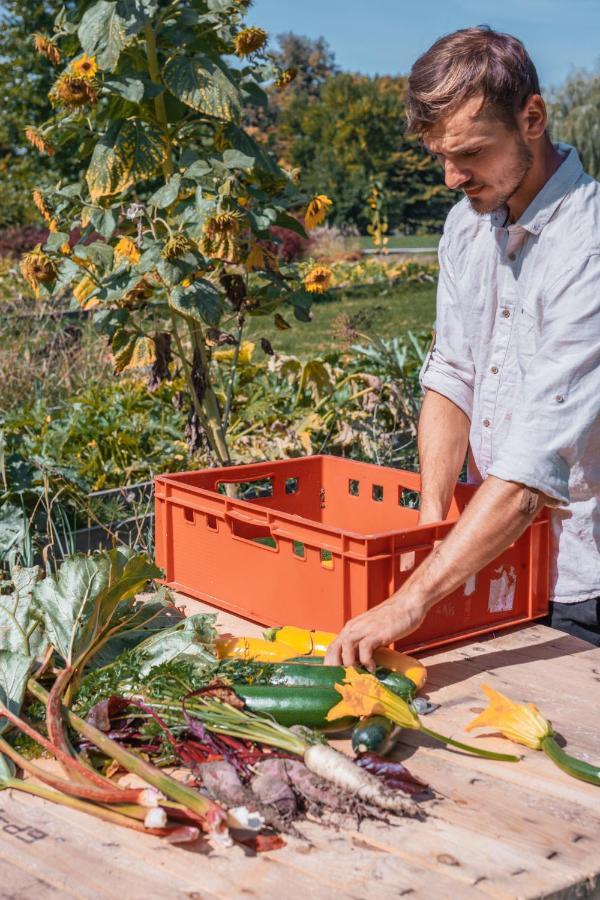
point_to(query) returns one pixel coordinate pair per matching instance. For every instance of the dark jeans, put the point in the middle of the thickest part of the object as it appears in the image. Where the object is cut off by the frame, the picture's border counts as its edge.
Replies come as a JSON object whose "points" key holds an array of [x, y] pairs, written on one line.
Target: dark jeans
{"points": [[581, 619]]}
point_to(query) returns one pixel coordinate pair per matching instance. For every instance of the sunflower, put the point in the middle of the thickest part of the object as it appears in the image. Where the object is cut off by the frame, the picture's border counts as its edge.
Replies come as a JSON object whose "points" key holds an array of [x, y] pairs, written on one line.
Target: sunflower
{"points": [[318, 280], [177, 245], [84, 67], [73, 92], [286, 77], [41, 205], [38, 268], [250, 40], [317, 210], [40, 143], [220, 235], [47, 48], [127, 250]]}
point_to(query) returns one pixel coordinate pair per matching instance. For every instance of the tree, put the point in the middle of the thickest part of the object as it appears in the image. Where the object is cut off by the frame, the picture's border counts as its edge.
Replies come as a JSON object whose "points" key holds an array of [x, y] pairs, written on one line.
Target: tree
{"points": [[26, 77], [574, 117], [172, 217], [352, 134]]}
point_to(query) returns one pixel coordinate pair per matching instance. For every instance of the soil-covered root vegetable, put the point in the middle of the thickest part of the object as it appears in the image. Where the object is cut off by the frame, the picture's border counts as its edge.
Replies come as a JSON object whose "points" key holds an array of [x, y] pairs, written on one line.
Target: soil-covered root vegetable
{"points": [[223, 784], [340, 770], [271, 786]]}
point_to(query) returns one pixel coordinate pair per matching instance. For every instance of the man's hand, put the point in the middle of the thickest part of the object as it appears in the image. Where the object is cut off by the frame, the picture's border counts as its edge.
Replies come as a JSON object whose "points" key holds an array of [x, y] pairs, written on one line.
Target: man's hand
{"points": [[360, 637]]}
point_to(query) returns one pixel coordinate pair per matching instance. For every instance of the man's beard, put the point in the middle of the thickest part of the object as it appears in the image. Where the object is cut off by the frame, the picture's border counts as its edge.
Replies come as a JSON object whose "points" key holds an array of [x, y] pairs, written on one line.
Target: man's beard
{"points": [[521, 167]]}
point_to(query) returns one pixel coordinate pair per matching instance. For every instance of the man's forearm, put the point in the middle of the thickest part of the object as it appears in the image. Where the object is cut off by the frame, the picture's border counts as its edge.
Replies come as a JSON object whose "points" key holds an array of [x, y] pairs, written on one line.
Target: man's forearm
{"points": [[443, 440]]}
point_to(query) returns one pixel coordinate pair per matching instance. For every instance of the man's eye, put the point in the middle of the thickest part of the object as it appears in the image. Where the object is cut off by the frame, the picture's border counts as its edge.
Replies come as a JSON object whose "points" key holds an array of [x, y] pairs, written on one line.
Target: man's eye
{"points": [[472, 152]]}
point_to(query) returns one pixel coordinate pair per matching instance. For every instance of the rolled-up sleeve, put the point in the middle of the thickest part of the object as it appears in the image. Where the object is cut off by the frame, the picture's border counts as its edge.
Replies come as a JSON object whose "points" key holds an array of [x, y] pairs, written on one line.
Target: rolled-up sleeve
{"points": [[449, 369], [555, 417]]}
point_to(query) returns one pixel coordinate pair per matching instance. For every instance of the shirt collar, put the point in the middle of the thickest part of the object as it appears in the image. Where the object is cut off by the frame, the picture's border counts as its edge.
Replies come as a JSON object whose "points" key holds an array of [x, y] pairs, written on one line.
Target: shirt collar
{"points": [[544, 205]]}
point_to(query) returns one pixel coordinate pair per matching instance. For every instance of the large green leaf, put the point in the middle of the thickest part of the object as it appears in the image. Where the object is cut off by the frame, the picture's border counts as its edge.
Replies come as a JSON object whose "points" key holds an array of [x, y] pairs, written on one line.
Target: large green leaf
{"points": [[135, 13], [205, 85], [200, 301], [80, 603], [166, 194], [102, 33], [131, 150], [21, 623], [13, 528], [192, 637], [15, 669]]}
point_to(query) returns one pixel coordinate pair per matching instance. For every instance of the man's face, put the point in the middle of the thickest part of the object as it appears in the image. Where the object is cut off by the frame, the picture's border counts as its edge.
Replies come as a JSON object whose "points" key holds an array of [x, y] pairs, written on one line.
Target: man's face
{"points": [[480, 156]]}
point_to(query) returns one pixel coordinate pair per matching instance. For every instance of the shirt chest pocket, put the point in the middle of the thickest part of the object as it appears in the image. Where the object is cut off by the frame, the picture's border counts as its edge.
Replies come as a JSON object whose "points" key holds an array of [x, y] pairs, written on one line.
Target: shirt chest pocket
{"points": [[525, 336]]}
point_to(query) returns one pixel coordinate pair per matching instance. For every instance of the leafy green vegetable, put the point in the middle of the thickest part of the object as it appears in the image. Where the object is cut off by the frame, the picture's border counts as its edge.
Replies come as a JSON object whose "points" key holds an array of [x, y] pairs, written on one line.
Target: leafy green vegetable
{"points": [[21, 623], [15, 669]]}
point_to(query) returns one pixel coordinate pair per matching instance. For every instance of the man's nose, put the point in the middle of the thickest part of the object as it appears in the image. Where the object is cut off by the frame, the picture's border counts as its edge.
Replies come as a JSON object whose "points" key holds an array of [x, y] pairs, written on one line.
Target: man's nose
{"points": [[454, 176]]}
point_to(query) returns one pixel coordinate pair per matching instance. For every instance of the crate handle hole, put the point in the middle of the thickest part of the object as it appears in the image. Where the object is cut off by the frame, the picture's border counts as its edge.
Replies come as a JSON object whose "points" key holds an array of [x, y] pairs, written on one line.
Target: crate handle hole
{"points": [[327, 559], [211, 522], [409, 499], [407, 561], [353, 487], [377, 493], [292, 485], [188, 515], [247, 490], [298, 549]]}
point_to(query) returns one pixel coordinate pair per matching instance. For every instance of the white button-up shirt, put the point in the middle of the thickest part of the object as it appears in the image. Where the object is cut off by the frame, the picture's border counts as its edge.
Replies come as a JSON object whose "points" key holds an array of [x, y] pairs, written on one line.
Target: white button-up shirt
{"points": [[518, 350]]}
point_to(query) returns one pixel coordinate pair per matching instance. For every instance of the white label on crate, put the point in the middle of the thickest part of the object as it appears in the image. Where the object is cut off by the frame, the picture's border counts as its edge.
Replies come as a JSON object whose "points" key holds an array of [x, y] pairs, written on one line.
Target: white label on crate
{"points": [[470, 585], [502, 590]]}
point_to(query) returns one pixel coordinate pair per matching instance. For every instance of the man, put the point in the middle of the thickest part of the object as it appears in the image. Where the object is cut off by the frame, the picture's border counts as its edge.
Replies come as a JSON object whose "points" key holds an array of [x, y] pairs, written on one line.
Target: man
{"points": [[514, 372]]}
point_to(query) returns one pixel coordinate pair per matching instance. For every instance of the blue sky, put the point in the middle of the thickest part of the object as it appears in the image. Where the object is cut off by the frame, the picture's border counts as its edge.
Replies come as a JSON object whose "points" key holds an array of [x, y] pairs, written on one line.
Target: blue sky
{"points": [[385, 36]]}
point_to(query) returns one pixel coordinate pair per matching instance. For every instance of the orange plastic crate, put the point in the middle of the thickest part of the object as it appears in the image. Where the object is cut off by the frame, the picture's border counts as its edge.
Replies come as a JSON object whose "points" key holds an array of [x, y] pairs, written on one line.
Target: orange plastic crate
{"points": [[315, 541]]}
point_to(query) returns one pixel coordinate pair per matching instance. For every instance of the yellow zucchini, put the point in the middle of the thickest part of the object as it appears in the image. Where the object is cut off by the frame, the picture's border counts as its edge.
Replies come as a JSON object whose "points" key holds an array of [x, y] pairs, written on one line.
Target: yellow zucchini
{"points": [[258, 649]]}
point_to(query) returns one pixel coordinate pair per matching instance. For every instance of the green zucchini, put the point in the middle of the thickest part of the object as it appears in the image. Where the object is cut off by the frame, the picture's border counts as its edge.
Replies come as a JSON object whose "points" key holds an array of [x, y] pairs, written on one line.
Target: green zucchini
{"points": [[294, 706], [372, 734], [301, 672]]}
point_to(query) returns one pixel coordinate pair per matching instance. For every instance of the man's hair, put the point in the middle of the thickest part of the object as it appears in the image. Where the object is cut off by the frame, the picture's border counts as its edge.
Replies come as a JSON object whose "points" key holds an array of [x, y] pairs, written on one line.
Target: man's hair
{"points": [[469, 63]]}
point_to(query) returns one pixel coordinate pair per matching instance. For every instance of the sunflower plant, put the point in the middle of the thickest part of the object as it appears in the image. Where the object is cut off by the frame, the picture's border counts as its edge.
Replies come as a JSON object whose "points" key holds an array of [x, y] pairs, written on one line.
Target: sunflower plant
{"points": [[166, 236]]}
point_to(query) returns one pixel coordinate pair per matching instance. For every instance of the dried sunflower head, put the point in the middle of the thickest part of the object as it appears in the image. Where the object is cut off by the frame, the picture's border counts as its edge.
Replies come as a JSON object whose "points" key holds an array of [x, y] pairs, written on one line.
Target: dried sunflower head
{"points": [[38, 268], [317, 210], [41, 205], [286, 77], [73, 92], [177, 245], [220, 234], [46, 47], [249, 40], [38, 141]]}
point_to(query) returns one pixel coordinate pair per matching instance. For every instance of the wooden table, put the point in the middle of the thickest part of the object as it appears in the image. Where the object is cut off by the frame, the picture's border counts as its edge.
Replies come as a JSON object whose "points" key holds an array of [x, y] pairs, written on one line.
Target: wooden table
{"points": [[500, 830]]}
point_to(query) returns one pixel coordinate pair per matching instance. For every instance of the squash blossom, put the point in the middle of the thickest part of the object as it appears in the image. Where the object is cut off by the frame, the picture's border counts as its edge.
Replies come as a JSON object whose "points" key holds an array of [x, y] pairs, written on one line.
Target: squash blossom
{"points": [[249, 40], [317, 210], [127, 250], [39, 142], [318, 280], [364, 695], [84, 67], [47, 48], [524, 724], [519, 722]]}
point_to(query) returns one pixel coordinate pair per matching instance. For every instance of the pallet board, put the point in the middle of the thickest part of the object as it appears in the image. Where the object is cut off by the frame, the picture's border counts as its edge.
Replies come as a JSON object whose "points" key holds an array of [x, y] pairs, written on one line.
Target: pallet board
{"points": [[495, 830]]}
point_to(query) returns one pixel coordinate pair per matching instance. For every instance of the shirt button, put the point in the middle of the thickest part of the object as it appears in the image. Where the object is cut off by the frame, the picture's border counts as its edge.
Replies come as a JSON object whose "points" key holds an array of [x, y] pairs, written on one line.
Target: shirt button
{"points": [[506, 313], [559, 398], [494, 370], [486, 423]]}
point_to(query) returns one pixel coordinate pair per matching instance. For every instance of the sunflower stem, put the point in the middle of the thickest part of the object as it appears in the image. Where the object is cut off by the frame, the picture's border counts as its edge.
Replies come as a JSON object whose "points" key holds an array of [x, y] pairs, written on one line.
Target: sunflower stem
{"points": [[478, 751]]}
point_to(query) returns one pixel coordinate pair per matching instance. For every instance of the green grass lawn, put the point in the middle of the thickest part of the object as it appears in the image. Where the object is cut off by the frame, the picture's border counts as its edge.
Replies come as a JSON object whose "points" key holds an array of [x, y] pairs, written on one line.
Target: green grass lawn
{"points": [[385, 312], [400, 240]]}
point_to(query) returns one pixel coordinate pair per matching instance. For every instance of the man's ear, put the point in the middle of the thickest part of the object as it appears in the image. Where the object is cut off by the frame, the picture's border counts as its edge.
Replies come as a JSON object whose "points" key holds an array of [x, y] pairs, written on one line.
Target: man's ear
{"points": [[533, 117]]}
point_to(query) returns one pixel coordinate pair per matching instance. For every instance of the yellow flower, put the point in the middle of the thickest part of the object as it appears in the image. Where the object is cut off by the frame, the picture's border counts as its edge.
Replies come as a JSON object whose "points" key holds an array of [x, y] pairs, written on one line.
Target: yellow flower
{"points": [[519, 722], [244, 356], [249, 41], [128, 250], [285, 78], [47, 48], [84, 67], [73, 91], [39, 142], [318, 280], [317, 210], [364, 695]]}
